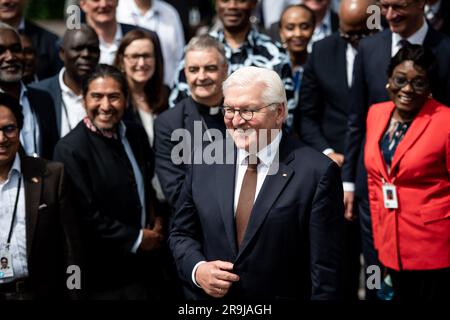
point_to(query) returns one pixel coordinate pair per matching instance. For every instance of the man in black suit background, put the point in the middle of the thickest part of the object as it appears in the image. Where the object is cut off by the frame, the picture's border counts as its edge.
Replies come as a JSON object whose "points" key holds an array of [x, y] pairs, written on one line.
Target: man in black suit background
{"points": [[437, 13], [406, 22], [44, 42], [80, 53], [265, 220], [39, 134], [205, 69], [324, 103]]}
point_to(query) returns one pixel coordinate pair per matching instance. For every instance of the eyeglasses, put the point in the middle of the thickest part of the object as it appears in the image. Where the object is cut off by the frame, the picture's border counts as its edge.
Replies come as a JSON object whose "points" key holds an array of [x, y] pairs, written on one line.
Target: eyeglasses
{"points": [[418, 84], [356, 36], [246, 114], [10, 131], [399, 8], [134, 58]]}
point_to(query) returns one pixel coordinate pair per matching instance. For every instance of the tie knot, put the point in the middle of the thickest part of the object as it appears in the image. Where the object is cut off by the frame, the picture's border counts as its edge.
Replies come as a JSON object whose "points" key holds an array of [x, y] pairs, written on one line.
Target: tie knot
{"points": [[403, 43], [252, 162]]}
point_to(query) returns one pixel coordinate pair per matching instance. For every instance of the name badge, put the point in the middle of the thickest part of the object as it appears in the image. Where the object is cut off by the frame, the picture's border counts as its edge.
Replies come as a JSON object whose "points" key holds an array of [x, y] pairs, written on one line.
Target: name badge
{"points": [[6, 267], [390, 196]]}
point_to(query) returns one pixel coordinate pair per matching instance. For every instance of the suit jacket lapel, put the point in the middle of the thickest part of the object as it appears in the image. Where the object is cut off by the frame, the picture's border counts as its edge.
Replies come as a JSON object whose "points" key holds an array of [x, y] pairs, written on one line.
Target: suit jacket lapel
{"points": [[416, 129], [341, 62], [379, 129], [225, 181], [273, 185], [57, 96], [32, 175]]}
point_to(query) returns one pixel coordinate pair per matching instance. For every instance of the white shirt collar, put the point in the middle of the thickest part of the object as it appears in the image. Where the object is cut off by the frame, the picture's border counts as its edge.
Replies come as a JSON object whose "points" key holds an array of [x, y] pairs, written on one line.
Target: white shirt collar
{"points": [[153, 11], [265, 155], [117, 37], [23, 91], [21, 25], [326, 21], [16, 164], [417, 38], [62, 84], [122, 130], [434, 8]]}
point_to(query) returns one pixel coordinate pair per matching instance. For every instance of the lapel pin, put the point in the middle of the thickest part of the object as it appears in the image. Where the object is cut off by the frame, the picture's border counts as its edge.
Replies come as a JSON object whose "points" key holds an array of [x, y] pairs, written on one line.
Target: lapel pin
{"points": [[34, 180], [284, 174]]}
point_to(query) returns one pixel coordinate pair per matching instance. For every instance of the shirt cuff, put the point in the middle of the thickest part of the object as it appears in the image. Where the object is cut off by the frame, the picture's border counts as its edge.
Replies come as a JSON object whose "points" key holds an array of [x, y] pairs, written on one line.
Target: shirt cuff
{"points": [[138, 241], [327, 151], [348, 186], [194, 271]]}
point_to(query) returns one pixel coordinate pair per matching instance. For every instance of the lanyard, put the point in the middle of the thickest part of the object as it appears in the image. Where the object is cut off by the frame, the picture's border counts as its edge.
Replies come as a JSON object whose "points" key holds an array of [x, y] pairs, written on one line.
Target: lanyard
{"points": [[8, 241]]}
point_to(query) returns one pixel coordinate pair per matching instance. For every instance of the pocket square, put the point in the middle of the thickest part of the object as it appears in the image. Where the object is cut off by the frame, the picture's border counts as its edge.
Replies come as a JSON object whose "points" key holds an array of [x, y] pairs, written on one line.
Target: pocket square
{"points": [[42, 206]]}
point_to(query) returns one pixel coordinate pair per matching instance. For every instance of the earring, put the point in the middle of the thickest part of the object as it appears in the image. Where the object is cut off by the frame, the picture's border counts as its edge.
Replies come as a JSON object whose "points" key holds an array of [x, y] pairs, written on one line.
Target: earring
{"points": [[388, 85]]}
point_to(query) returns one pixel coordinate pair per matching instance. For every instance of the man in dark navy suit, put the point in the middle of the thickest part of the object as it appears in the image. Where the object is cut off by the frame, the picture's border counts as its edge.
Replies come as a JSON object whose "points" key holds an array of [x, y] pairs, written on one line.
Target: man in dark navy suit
{"points": [[266, 223], [406, 23], [324, 103]]}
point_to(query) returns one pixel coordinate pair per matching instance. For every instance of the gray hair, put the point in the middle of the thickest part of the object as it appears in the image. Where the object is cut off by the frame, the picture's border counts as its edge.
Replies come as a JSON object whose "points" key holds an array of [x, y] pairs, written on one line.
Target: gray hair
{"points": [[5, 26], [273, 92], [204, 42]]}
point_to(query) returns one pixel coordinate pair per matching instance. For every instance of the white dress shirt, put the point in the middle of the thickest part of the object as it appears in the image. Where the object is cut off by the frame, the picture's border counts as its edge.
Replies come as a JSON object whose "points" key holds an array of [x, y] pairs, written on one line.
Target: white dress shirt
{"points": [[266, 158], [18, 247], [139, 182], [72, 109], [417, 38], [163, 19], [108, 51]]}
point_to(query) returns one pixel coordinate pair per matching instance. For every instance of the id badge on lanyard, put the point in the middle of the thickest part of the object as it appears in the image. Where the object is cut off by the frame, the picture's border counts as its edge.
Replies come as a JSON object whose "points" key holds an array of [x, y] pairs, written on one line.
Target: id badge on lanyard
{"points": [[6, 267], [389, 195], [6, 263]]}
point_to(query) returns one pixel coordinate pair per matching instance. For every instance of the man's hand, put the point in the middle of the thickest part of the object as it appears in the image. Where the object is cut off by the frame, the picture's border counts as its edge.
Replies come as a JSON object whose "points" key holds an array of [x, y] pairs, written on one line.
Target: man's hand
{"points": [[336, 157], [152, 238], [349, 198], [215, 277]]}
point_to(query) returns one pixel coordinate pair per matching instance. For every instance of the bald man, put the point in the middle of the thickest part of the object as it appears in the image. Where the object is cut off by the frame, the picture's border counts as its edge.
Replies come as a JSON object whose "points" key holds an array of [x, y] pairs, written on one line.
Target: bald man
{"points": [[80, 53], [324, 100]]}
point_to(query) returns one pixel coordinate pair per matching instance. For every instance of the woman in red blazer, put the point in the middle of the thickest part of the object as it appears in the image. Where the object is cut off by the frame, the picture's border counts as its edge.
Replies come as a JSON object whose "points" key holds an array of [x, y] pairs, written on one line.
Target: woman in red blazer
{"points": [[407, 156]]}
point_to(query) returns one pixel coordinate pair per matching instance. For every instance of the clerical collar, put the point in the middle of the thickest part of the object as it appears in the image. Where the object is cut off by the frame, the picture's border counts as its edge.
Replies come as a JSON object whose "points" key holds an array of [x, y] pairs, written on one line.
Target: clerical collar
{"points": [[212, 111]]}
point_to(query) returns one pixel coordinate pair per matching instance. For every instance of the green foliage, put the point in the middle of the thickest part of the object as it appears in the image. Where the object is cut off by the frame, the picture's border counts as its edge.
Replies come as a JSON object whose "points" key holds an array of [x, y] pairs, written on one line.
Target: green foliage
{"points": [[45, 9]]}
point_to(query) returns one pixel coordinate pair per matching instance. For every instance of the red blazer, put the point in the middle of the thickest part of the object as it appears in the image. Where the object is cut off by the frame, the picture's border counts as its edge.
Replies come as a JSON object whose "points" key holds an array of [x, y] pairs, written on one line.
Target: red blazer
{"points": [[416, 236]]}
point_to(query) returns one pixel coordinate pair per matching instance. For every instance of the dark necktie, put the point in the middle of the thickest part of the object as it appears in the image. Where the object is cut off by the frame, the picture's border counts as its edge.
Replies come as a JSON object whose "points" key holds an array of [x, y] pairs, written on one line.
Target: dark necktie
{"points": [[246, 198], [403, 43]]}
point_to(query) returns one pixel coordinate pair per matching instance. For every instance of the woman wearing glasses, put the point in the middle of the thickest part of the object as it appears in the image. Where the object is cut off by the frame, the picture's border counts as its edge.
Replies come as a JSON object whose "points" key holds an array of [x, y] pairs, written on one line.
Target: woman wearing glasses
{"points": [[139, 57], [407, 156]]}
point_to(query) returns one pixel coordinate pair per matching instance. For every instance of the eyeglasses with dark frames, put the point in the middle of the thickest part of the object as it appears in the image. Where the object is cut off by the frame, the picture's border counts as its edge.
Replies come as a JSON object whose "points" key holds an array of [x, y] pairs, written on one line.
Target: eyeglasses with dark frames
{"points": [[10, 131], [418, 84], [246, 114]]}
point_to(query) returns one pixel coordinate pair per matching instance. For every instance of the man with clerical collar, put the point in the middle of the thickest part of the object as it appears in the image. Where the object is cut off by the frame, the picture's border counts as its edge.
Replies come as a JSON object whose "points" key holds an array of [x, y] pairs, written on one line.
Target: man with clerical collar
{"points": [[206, 68]]}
